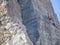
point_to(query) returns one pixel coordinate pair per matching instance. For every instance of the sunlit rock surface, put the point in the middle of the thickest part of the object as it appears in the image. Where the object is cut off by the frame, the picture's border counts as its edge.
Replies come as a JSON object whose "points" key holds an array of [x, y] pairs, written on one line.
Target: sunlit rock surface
{"points": [[28, 22]]}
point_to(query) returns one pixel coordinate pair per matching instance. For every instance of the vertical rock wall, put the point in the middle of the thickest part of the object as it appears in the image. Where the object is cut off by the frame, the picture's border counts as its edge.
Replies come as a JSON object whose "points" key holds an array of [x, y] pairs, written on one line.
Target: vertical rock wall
{"points": [[12, 31], [40, 15], [28, 22], [48, 23]]}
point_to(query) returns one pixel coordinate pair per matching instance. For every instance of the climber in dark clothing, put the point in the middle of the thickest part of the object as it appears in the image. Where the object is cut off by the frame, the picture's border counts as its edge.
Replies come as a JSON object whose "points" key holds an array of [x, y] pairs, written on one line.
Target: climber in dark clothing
{"points": [[49, 17]]}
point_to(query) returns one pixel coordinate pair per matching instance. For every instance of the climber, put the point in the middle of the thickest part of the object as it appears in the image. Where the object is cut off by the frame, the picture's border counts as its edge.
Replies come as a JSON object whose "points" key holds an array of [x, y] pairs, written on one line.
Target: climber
{"points": [[49, 17]]}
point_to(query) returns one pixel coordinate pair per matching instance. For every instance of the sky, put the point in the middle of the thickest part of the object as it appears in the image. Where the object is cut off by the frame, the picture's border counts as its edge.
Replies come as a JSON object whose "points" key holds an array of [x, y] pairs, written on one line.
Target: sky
{"points": [[56, 6]]}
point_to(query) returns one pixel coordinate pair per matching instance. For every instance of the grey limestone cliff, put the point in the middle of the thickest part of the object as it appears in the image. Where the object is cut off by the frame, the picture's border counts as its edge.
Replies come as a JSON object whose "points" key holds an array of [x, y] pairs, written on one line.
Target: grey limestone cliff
{"points": [[34, 22]]}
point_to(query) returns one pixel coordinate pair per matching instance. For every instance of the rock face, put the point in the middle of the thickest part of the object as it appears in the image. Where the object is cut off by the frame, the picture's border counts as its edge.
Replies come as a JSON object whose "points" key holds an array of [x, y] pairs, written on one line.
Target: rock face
{"points": [[28, 22]]}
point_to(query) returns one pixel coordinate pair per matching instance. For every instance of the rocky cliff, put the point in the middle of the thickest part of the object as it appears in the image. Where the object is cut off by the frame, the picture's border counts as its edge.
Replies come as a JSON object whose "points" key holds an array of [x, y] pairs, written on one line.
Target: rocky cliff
{"points": [[28, 22]]}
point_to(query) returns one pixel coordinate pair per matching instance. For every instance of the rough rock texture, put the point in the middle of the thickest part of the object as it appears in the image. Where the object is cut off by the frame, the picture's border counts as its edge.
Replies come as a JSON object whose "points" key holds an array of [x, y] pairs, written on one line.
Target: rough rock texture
{"points": [[12, 31], [28, 22]]}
